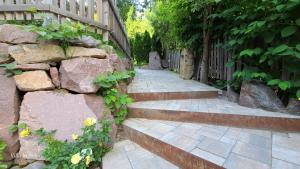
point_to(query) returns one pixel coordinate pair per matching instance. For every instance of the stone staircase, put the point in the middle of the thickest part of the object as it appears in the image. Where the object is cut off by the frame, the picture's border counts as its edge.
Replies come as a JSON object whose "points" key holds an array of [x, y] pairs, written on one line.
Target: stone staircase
{"points": [[185, 124]]}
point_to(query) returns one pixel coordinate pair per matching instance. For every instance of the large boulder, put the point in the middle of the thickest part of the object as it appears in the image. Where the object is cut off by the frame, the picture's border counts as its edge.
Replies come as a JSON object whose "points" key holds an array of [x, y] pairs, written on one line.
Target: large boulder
{"points": [[33, 81], [117, 63], [9, 113], [293, 106], [77, 51], [4, 56], [258, 95], [154, 61], [186, 64], [79, 74], [15, 35], [56, 110], [36, 53]]}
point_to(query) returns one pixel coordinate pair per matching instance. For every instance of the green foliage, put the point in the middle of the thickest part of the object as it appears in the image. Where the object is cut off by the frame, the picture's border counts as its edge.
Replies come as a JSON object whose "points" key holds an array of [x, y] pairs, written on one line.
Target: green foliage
{"points": [[220, 84], [14, 127], [61, 33], [141, 47], [2, 148], [10, 69], [262, 35], [113, 99], [89, 147]]}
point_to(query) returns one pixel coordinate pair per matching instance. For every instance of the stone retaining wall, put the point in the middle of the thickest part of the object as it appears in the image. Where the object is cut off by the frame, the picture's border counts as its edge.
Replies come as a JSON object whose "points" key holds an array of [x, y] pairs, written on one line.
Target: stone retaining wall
{"points": [[56, 91]]}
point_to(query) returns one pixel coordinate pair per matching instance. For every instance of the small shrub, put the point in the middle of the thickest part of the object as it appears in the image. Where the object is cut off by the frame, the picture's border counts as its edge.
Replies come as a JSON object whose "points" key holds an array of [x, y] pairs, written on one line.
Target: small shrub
{"points": [[83, 152], [113, 99], [62, 33]]}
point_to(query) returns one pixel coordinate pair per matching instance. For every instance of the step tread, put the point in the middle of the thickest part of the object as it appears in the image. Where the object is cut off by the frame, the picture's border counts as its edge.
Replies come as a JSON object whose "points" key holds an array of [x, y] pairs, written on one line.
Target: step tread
{"points": [[229, 147], [162, 81], [217, 105], [128, 155]]}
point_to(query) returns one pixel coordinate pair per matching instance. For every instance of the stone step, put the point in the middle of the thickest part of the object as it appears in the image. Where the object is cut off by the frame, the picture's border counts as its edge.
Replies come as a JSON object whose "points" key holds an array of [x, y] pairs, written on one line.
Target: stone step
{"points": [[214, 111], [166, 85], [129, 155], [195, 146]]}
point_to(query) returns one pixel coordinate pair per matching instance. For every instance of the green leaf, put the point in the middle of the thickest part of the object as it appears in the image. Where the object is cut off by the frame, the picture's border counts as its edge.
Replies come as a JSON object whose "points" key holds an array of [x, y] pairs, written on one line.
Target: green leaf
{"points": [[273, 82], [288, 31], [247, 52], [22, 126], [298, 22], [283, 85], [297, 54], [268, 37], [298, 94], [279, 49], [298, 47], [13, 128]]}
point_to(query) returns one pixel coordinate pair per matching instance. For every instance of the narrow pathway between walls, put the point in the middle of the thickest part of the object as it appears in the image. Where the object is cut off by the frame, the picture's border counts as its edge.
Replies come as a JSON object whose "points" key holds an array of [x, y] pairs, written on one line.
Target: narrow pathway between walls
{"points": [[177, 123]]}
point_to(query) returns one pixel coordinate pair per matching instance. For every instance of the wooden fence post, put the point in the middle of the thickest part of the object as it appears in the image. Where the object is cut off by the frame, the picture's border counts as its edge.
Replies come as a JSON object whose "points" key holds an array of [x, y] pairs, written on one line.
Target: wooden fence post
{"points": [[105, 20]]}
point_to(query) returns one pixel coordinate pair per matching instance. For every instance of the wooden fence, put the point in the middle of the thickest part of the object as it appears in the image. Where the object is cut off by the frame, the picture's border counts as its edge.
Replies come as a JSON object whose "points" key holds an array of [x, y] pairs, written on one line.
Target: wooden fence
{"points": [[101, 15], [173, 58], [217, 63]]}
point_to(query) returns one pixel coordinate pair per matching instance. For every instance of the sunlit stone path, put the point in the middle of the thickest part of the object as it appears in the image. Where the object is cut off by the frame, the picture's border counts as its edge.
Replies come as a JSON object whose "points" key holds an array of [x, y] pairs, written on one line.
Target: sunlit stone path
{"points": [[185, 124]]}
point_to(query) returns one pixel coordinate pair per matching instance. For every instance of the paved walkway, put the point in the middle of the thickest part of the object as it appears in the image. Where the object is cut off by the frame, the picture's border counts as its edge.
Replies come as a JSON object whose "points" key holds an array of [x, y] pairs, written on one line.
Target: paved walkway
{"points": [[230, 147], [223, 134], [128, 155], [163, 81]]}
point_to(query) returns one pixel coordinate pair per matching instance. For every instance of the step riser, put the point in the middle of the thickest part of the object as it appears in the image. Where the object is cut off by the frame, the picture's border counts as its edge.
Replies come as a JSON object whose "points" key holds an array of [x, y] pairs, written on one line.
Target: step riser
{"points": [[173, 95], [173, 154], [244, 121]]}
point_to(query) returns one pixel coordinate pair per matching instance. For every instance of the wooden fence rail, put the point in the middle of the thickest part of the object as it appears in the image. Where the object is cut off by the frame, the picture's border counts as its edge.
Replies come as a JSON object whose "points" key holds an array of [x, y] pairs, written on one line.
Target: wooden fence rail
{"points": [[217, 63], [101, 15]]}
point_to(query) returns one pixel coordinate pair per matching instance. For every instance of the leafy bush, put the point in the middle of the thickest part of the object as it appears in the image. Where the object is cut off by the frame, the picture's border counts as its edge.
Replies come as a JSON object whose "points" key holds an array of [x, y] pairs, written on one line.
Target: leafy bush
{"points": [[59, 32], [113, 99], [2, 148], [83, 152]]}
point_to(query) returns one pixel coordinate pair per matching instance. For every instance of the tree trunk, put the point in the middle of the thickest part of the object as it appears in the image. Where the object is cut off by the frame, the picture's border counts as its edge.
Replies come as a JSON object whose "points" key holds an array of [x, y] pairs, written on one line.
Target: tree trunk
{"points": [[206, 45]]}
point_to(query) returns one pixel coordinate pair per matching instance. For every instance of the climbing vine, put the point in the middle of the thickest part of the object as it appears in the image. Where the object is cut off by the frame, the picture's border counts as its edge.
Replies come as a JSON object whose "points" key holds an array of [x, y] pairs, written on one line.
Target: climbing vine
{"points": [[113, 98]]}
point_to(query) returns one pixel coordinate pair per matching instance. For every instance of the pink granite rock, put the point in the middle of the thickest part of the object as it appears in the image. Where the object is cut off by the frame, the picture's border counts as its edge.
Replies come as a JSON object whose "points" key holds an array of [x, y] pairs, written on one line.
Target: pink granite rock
{"points": [[33, 81], [77, 51], [258, 95], [154, 61], [117, 63], [15, 35], [9, 113], [54, 74], [4, 56], [56, 110], [79, 74], [37, 66]]}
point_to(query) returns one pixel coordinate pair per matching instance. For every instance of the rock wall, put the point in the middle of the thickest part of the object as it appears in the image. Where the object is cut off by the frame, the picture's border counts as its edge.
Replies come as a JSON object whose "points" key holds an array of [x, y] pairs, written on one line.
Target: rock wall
{"points": [[56, 91]]}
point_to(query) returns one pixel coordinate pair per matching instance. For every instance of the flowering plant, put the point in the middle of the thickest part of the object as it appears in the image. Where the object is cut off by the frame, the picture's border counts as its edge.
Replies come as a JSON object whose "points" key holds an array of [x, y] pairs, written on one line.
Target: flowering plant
{"points": [[85, 151]]}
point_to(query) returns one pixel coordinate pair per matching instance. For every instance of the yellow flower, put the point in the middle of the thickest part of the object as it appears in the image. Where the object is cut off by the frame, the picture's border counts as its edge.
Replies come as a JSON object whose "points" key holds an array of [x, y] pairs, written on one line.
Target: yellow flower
{"points": [[74, 136], [89, 121], [75, 158], [88, 160], [25, 132]]}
